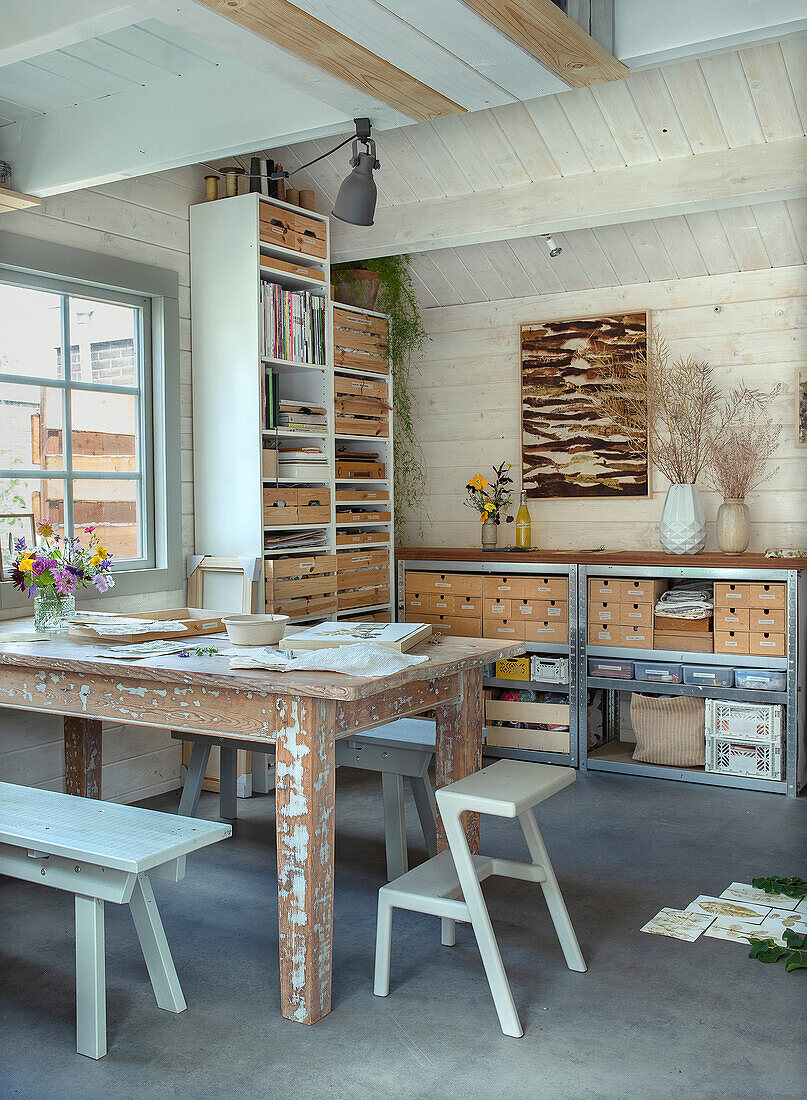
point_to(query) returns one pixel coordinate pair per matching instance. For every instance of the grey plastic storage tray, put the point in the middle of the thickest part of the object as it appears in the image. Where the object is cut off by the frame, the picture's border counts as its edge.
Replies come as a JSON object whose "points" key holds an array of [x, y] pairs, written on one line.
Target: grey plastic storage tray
{"points": [[760, 679], [658, 672], [610, 669], [715, 676]]}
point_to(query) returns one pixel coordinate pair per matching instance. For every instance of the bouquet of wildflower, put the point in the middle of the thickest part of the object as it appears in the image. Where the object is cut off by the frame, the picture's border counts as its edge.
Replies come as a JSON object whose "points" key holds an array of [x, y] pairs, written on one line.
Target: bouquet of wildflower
{"points": [[61, 564], [491, 498]]}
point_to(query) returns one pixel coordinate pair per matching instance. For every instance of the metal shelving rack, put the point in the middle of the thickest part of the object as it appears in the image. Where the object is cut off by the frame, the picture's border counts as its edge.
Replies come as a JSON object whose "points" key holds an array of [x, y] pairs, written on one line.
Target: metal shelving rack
{"points": [[793, 698], [511, 567]]}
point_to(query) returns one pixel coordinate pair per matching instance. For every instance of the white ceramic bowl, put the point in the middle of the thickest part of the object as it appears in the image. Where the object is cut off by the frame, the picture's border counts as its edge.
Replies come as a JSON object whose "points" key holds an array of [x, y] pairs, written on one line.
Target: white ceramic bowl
{"points": [[255, 629]]}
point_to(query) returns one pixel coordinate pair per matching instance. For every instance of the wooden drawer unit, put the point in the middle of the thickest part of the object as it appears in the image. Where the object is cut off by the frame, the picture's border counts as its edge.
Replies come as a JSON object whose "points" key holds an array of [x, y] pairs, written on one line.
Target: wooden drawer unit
{"points": [[548, 631], [603, 633], [360, 538], [417, 607], [767, 619], [313, 505], [361, 416], [635, 637], [768, 595], [732, 618], [345, 515], [468, 607], [441, 603], [362, 471], [604, 611], [290, 268], [451, 624], [358, 578], [345, 385], [546, 588], [349, 495], [457, 584], [731, 595], [301, 586], [641, 590], [497, 609], [503, 587], [280, 507], [363, 597], [766, 643], [731, 641], [516, 710], [512, 629], [636, 614], [292, 230], [553, 610], [603, 588]]}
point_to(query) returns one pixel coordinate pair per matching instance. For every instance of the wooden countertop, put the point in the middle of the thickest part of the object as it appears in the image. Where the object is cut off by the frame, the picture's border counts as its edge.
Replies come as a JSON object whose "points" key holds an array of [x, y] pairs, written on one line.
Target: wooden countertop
{"points": [[604, 557]]}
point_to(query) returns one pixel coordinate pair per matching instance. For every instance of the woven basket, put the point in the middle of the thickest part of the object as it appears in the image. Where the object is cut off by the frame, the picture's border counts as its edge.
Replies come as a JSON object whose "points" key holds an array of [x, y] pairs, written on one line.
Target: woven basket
{"points": [[669, 730]]}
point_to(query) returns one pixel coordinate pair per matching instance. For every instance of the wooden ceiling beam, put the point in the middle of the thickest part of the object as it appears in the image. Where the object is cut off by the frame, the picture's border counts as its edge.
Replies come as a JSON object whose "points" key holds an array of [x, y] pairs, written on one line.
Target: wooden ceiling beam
{"points": [[292, 29], [553, 39], [683, 185], [14, 200]]}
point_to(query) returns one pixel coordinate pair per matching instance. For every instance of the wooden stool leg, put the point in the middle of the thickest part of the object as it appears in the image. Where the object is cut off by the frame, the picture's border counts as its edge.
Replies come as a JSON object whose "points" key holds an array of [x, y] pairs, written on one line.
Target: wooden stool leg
{"points": [[90, 977], [228, 782], [192, 789], [554, 898], [423, 793], [383, 947], [394, 825], [483, 929], [156, 952]]}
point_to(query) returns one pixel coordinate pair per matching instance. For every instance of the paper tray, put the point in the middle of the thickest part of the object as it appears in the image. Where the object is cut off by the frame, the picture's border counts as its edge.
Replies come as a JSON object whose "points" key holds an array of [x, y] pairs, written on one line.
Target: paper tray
{"points": [[195, 621]]}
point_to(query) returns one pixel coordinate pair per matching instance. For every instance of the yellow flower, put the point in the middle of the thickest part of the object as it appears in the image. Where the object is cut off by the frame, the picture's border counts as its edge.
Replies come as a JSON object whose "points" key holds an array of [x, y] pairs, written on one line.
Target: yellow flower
{"points": [[478, 482], [45, 529], [482, 517], [26, 563], [102, 552], [509, 465]]}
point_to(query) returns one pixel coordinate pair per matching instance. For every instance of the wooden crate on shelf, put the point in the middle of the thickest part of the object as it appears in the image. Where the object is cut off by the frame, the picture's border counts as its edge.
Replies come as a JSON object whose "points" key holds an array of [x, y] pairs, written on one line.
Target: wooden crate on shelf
{"points": [[363, 517], [362, 471], [498, 712], [361, 416], [279, 507], [362, 597], [369, 617], [288, 267], [360, 342], [345, 385], [313, 505], [356, 496], [293, 230], [360, 538], [301, 586]]}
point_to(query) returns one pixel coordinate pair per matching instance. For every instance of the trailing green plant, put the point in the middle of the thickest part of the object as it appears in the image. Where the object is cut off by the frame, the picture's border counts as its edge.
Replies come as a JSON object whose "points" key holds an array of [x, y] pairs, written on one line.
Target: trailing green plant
{"points": [[407, 341]]}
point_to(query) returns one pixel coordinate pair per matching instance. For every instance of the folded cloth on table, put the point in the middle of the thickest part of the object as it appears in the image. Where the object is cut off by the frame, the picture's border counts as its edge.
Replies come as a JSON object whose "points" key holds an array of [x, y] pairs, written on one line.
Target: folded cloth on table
{"points": [[361, 659], [687, 600]]}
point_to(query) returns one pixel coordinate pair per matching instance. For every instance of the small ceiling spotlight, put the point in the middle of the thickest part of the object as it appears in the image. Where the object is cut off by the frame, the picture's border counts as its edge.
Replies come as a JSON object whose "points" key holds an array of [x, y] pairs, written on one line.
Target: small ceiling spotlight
{"points": [[554, 249]]}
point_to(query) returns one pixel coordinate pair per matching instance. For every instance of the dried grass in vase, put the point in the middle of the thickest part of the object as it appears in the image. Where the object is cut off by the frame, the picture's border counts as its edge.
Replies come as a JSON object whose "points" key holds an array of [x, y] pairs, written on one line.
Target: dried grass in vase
{"points": [[740, 451]]}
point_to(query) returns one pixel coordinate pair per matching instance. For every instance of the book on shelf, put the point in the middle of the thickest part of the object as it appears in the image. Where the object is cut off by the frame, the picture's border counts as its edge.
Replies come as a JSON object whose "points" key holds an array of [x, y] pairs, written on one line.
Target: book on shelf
{"points": [[400, 636], [298, 417], [289, 540], [292, 324], [270, 399]]}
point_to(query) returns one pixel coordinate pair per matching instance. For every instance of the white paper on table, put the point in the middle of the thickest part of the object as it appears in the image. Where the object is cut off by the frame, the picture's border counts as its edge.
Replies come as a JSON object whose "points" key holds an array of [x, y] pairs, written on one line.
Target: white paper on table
{"points": [[679, 924], [725, 907], [773, 928], [116, 627], [363, 659], [143, 649], [742, 891]]}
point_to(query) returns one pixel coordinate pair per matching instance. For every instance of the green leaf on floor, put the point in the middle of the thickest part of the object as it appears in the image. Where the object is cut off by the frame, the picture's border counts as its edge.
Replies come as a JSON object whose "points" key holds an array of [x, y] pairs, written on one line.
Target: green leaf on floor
{"points": [[766, 951], [793, 887], [794, 941], [797, 961]]}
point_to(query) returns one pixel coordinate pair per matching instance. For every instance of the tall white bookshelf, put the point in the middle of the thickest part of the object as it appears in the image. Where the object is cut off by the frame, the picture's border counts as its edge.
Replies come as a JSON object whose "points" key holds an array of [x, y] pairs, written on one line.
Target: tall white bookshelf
{"points": [[230, 257]]}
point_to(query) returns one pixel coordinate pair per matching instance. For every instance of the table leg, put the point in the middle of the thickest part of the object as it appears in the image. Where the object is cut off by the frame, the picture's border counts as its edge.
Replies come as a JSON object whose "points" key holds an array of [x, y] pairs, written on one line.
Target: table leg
{"points": [[459, 747], [304, 797], [82, 757]]}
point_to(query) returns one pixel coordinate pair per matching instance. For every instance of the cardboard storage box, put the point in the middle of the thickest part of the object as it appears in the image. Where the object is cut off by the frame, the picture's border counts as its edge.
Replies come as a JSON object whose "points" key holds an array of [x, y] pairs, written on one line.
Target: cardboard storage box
{"points": [[269, 462]]}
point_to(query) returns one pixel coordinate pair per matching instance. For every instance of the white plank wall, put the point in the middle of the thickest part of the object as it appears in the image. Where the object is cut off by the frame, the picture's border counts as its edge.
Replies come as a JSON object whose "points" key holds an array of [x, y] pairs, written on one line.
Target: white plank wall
{"points": [[750, 326], [144, 220]]}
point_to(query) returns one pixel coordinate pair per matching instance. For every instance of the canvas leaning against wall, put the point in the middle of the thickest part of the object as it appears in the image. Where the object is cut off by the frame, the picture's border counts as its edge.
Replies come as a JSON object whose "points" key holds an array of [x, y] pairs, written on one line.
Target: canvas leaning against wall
{"points": [[568, 449]]}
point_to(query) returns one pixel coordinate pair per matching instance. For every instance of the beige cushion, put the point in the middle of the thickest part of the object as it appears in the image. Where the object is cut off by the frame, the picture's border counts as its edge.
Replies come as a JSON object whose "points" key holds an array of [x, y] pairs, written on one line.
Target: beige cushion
{"points": [[669, 729]]}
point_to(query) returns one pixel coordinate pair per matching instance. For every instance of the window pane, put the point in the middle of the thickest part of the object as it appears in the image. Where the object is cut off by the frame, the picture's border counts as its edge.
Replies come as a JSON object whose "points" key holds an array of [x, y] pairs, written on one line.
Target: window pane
{"points": [[30, 332], [31, 427], [15, 501], [104, 429], [106, 340], [42, 496], [112, 508]]}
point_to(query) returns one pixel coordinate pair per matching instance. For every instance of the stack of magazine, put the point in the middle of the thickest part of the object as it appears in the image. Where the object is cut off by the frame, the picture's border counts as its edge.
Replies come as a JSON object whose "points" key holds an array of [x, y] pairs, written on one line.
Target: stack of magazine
{"points": [[292, 324], [296, 416]]}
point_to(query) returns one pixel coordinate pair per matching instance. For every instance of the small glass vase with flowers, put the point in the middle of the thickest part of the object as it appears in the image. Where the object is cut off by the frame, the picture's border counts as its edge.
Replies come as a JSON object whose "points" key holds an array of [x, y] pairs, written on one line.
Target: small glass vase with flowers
{"points": [[491, 500], [55, 569]]}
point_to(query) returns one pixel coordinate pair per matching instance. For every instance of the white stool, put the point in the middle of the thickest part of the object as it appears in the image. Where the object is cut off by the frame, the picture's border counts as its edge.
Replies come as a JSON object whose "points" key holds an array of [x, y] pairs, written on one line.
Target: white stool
{"points": [[508, 788]]}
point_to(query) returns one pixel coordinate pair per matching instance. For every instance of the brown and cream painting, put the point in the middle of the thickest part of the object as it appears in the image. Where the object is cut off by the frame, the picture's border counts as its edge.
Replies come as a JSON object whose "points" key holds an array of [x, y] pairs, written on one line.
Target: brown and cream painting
{"points": [[568, 447]]}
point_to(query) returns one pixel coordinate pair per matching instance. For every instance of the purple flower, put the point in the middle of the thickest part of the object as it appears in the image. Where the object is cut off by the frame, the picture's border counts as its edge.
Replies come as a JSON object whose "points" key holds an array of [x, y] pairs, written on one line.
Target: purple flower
{"points": [[102, 583], [78, 573], [64, 583], [19, 546], [41, 565]]}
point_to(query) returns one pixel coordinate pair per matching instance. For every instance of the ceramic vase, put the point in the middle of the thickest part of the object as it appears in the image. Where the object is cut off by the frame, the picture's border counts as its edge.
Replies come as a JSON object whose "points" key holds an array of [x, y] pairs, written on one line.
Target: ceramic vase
{"points": [[51, 611], [733, 527], [683, 525], [490, 534]]}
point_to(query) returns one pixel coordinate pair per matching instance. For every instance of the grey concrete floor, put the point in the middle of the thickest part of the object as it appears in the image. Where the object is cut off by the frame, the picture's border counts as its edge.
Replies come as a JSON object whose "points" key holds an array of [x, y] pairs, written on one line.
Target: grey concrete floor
{"points": [[652, 1018]]}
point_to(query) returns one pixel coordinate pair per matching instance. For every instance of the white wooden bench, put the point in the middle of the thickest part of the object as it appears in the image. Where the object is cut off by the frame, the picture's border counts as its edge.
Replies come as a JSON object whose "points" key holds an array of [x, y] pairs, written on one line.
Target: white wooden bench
{"points": [[398, 750], [100, 852]]}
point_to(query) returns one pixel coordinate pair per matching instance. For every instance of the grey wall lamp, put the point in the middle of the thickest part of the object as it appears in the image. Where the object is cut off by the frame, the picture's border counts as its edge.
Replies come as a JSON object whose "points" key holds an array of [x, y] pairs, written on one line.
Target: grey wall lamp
{"points": [[356, 200]]}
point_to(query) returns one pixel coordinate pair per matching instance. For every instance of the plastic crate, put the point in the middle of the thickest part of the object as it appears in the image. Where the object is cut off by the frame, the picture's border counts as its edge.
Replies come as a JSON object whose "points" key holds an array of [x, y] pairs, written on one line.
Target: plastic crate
{"points": [[753, 722], [758, 760], [550, 670]]}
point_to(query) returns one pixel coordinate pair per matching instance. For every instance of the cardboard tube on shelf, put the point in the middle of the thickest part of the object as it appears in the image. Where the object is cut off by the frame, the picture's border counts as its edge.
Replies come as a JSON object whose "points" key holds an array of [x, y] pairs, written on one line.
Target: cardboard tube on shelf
{"points": [[307, 201], [292, 196]]}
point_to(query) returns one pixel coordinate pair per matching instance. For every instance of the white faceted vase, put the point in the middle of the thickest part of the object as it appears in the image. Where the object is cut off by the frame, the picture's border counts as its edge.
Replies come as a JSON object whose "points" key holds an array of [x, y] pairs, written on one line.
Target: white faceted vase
{"points": [[683, 525]]}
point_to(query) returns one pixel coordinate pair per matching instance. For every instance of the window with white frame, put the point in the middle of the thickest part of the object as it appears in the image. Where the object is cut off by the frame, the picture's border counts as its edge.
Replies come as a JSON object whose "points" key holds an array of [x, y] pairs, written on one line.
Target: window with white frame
{"points": [[76, 414]]}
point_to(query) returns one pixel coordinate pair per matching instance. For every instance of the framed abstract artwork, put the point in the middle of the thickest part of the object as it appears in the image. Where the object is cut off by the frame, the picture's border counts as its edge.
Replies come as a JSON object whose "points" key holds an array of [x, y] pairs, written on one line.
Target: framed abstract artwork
{"points": [[568, 447]]}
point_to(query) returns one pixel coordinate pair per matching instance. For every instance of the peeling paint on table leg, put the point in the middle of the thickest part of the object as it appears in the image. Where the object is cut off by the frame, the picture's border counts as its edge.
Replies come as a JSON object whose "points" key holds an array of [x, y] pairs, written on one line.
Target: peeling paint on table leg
{"points": [[459, 747], [304, 772], [82, 757]]}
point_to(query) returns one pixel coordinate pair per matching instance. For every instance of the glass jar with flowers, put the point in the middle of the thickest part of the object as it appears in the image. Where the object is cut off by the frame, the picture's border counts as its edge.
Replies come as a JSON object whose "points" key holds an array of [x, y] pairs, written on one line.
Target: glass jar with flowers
{"points": [[55, 569], [491, 499]]}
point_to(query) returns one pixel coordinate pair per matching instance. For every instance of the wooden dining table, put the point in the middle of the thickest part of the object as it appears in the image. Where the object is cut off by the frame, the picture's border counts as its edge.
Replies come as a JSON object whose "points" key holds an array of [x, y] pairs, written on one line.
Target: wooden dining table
{"points": [[301, 713]]}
